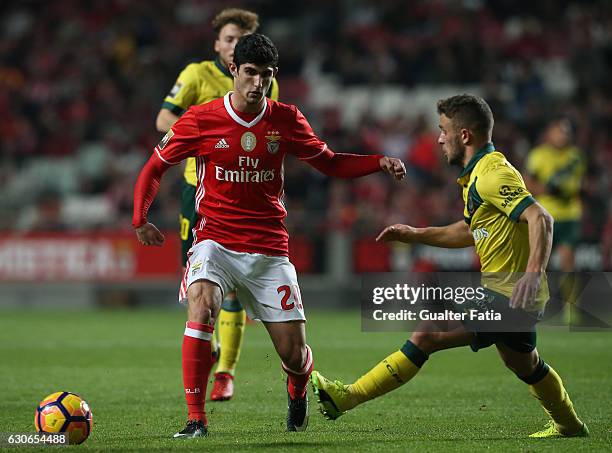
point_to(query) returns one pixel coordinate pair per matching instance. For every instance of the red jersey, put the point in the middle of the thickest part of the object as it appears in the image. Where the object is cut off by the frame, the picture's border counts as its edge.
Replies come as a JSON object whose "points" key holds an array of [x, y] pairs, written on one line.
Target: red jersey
{"points": [[240, 171]]}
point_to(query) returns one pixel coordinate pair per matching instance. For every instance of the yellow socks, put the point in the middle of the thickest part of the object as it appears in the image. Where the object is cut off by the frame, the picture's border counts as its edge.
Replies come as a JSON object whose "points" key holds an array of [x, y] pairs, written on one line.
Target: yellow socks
{"points": [[231, 329], [394, 371], [547, 387]]}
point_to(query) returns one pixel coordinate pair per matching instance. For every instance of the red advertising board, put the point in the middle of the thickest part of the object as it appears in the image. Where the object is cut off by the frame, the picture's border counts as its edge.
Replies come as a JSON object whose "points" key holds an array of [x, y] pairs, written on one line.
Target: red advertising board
{"points": [[105, 257]]}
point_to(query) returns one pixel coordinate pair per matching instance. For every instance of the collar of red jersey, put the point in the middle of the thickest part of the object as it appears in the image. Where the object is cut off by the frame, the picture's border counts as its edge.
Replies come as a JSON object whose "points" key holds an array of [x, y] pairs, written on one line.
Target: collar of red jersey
{"points": [[234, 115]]}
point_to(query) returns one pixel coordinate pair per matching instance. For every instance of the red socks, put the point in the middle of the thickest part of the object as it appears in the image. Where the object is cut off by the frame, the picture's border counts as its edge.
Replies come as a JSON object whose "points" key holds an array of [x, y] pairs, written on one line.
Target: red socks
{"points": [[298, 380], [197, 362]]}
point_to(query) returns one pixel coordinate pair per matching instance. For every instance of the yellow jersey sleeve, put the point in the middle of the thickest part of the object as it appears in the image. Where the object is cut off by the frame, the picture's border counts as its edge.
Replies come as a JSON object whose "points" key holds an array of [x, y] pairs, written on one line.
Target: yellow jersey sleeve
{"points": [[503, 188], [185, 91]]}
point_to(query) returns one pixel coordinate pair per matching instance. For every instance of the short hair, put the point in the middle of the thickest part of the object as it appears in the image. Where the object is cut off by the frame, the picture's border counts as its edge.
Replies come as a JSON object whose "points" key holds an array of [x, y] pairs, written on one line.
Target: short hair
{"points": [[468, 112], [562, 120], [256, 49], [246, 20]]}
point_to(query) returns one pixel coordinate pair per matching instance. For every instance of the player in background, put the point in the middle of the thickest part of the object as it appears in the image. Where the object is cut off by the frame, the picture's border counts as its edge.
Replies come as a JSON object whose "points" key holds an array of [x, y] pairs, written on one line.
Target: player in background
{"points": [[197, 84], [241, 240], [512, 234], [554, 175], [555, 170]]}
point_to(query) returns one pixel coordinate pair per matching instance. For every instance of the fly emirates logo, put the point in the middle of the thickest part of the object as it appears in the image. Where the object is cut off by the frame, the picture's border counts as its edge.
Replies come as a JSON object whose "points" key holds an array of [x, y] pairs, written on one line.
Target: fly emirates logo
{"points": [[248, 172]]}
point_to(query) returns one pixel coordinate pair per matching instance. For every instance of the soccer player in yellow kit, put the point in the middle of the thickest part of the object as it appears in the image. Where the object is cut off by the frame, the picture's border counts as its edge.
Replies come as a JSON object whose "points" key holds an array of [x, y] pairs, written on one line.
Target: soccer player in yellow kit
{"points": [[554, 174], [512, 235], [197, 84]]}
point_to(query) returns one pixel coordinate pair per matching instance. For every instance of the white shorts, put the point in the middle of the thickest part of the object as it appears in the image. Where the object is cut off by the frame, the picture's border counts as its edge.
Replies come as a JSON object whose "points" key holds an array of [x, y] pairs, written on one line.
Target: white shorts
{"points": [[266, 286]]}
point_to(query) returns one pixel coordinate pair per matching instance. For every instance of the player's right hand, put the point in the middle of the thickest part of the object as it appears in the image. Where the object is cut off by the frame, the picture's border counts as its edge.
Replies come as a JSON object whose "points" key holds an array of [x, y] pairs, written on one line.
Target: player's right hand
{"points": [[398, 232], [148, 234]]}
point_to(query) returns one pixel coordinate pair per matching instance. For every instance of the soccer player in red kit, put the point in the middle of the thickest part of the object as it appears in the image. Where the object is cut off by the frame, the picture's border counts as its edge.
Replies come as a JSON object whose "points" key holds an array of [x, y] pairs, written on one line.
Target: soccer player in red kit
{"points": [[239, 142]]}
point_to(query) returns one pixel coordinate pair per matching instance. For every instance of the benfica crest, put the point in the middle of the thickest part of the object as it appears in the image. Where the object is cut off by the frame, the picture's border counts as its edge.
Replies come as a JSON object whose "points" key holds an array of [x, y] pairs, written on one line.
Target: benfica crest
{"points": [[273, 141]]}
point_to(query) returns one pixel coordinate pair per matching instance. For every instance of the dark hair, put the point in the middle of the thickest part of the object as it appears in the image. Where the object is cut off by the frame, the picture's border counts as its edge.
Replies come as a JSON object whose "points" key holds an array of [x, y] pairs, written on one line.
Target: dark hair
{"points": [[468, 112], [256, 49], [562, 120], [245, 20]]}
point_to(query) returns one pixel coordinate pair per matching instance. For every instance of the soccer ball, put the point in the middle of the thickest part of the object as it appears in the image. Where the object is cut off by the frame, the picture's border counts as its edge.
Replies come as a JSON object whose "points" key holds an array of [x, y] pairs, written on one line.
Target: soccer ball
{"points": [[64, 412]]}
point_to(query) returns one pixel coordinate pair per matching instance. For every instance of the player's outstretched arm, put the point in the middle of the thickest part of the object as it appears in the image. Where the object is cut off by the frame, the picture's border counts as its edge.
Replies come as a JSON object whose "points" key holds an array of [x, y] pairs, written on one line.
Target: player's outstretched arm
{"points": [[145, 190], [540, 225], [344, 165], [309, 148], [456, 235]]}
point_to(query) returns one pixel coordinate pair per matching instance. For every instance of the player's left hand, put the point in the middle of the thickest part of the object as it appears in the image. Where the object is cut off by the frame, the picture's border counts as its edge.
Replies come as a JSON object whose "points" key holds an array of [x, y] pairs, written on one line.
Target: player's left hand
{"points": [[148, 234], [393, 166], [525, 290]]}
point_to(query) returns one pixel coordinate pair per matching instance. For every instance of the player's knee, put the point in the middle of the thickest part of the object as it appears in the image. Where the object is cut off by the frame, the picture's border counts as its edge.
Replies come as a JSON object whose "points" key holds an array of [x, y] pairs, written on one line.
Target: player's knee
{"points": [[200, 313], [428, 342], [203, 305], [294, 356]]}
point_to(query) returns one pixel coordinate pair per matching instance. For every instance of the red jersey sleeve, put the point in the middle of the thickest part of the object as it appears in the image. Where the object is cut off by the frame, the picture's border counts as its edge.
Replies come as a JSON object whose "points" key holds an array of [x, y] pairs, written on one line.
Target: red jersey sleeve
{"points": [[181, 141], [146, 188], [304, 142]]}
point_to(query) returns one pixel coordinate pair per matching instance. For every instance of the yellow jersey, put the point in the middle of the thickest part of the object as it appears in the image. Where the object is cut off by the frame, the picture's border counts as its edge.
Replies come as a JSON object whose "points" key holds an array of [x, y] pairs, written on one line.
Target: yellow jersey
{"points": [[561, 171], [495, 195], [197, 84]]}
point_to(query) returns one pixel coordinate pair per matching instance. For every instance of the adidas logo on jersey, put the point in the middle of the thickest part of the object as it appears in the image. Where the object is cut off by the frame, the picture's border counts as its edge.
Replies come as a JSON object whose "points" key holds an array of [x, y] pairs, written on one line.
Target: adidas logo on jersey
{"points": [[221, 144]]}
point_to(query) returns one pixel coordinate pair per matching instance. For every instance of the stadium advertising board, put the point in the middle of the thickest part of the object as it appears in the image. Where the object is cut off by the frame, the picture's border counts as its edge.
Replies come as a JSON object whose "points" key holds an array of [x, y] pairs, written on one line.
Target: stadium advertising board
{"points": [[109, 257]]}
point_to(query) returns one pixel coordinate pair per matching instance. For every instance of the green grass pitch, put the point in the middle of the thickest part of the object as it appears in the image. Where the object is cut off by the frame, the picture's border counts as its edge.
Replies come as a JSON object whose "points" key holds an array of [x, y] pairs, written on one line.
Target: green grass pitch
{"points": [[126, 364]]}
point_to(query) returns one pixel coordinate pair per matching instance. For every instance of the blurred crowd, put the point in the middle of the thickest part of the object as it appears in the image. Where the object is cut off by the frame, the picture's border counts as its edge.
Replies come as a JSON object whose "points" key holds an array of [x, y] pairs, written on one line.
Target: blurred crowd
{"points": [[82, 82]]}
